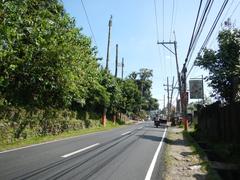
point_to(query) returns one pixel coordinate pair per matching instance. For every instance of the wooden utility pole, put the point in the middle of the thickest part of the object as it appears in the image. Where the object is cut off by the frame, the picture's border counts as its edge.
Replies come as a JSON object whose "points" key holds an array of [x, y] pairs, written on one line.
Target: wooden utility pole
{"points": [[164, 101], [109, 37], [122, 66], [168, 98], [182, 81], [172, 89], [116, 61]]}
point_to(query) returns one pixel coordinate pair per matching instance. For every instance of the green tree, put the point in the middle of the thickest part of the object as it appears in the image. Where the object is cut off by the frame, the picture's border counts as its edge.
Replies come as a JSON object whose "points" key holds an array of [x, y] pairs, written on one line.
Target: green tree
{"points": [[224, 66], [131, 96], [144, 83], [44, 58]]}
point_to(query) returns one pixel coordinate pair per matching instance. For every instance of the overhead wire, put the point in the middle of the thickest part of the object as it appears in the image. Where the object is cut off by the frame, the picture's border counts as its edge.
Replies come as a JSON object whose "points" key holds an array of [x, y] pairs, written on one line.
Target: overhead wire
{"points": [[88, 21], [235, 9], [173, 8], [210, 32], [156, 19], [223, 19], [199, 30], [163, 17], [193, 33]]}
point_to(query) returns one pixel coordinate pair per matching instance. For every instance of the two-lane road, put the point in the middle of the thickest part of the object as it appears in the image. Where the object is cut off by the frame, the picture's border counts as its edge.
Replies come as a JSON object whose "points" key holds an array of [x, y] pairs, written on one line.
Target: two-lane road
{"points": [[128, 153]]}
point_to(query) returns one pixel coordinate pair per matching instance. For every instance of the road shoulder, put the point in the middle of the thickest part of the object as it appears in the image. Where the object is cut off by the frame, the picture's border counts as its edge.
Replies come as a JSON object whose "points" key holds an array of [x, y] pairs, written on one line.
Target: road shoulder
{"points": [[181, 162]]}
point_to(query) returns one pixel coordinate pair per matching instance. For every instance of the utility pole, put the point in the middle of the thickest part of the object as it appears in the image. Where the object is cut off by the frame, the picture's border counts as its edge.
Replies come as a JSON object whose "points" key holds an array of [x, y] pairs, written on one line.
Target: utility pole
{"points": [[168, 105], [104, 114], [184, 96], [116, 62], [164, 101], [109, 37], [203, 100], [178, 73], [122, 66], [172, 93], [168, 98]]}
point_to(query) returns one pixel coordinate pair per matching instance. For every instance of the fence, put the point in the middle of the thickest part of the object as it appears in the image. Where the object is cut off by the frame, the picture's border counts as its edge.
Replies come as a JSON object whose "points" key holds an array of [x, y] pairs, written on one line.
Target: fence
{"points": [[220, 123]]}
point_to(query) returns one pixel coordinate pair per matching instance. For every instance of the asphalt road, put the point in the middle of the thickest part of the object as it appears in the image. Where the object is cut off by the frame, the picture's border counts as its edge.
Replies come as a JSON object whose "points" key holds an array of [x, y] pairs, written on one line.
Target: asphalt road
{"points": [[128, 153]]}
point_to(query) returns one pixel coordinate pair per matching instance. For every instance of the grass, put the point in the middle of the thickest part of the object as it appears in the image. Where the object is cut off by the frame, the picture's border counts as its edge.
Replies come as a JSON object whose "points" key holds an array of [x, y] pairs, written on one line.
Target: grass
{"points": [[41, 139], [212, 174]]}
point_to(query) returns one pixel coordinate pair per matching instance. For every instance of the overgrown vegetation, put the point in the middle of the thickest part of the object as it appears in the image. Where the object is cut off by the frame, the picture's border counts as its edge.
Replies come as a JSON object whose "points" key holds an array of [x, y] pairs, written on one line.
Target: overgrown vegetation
{"points": [[212, 174], [50, 80], [224, 66]]}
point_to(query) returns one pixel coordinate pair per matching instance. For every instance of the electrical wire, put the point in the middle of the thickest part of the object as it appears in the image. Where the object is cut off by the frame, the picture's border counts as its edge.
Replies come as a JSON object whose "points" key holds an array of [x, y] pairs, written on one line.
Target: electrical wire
{"points": [[90, 27], [210, 32], [156, 20], [200, 27], [193, 33], [173, 8], [235, 9], [163, 17], [213, 26]]}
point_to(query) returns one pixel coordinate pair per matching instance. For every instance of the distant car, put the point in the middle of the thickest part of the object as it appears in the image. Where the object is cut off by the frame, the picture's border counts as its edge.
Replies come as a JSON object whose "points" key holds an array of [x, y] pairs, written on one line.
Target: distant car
{"points": [[158, 121]]}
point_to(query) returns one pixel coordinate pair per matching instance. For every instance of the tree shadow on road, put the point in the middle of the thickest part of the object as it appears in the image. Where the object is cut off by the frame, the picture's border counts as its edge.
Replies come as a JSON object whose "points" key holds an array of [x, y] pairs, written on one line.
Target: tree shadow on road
{"points": [[150, 137], [179, 142]]}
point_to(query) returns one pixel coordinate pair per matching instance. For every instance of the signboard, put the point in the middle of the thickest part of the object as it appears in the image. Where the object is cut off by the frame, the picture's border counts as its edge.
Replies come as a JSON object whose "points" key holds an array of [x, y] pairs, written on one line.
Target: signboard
{"points": [[196, 89]]}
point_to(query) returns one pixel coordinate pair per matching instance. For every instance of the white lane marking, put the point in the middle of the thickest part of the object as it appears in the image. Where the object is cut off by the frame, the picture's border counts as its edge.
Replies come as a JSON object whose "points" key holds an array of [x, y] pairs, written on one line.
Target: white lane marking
{"points": [[80, 150], [128, 132], [154, 160], [25, 147], [139, 128]]}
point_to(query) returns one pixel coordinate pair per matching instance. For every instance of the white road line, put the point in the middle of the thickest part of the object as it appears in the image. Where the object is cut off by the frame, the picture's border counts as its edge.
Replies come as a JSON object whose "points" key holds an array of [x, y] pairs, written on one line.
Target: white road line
{"points": [[25, 147], [80, 150], [126, 133], [139, 128], [154, 160]]}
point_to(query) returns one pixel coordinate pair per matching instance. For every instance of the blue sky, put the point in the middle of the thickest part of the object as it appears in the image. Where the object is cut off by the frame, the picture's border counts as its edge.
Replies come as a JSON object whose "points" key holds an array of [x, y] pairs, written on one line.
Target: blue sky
{"points": [[134, 30]]}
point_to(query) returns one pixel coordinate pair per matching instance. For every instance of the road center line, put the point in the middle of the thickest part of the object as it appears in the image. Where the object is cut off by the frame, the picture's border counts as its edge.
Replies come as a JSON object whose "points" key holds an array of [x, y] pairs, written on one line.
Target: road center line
{"points": [[154, 160], [128, 132], [80, 150]]}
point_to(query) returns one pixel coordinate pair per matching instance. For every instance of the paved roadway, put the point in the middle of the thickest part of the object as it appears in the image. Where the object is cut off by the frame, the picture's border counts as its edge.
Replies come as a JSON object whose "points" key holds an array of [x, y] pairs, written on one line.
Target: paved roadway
{"points": [[127, 153]]}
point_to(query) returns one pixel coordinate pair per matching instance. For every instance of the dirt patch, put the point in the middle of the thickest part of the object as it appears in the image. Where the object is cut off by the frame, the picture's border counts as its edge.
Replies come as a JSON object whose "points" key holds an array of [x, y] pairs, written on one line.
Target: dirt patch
{"points": [[182, 163]]}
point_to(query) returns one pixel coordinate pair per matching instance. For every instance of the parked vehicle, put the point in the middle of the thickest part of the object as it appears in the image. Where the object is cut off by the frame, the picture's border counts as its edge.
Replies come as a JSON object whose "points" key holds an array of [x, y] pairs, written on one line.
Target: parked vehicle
{"points": [[159, 121]]}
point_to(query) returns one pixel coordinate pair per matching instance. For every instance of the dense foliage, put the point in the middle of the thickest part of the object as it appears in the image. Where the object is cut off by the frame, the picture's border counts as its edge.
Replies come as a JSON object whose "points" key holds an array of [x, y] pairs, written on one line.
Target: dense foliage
{"points": [[49, 75], [224, 66]]}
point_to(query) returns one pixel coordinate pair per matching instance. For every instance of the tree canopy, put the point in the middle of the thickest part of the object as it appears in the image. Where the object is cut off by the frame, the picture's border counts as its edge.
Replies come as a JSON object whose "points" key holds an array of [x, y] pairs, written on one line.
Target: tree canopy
{"points": [[224, 65], [46, 61]]}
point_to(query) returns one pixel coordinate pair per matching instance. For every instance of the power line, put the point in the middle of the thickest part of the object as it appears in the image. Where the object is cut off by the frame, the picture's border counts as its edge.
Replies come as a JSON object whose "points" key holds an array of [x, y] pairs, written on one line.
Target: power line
{"points": [[210, 32], [85, 11], [235, 9], [201, 24], [156, 20], [173, 8], [193, 33], [214, 25], [163, 17]]}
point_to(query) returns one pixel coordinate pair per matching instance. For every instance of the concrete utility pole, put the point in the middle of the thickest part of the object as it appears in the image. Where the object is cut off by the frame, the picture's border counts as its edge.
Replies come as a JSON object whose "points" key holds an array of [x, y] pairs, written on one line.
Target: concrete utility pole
{"points": [[116, 62], [104, 113], [184, 96], [109, 37], [122, 66]]}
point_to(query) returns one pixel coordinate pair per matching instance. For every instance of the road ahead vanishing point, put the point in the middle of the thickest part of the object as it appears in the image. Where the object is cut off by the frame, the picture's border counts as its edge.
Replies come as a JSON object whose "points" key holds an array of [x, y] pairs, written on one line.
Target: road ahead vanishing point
{"points": [[128, 153]]}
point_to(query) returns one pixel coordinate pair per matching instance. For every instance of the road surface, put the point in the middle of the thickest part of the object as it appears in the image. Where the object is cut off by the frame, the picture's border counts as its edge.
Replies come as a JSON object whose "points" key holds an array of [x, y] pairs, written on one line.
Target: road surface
{"points": [[128, 153]]}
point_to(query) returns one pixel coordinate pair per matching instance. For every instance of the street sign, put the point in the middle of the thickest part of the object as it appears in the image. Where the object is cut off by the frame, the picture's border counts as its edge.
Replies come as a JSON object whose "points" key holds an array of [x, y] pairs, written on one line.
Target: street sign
{"points": [[196, 89]]}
